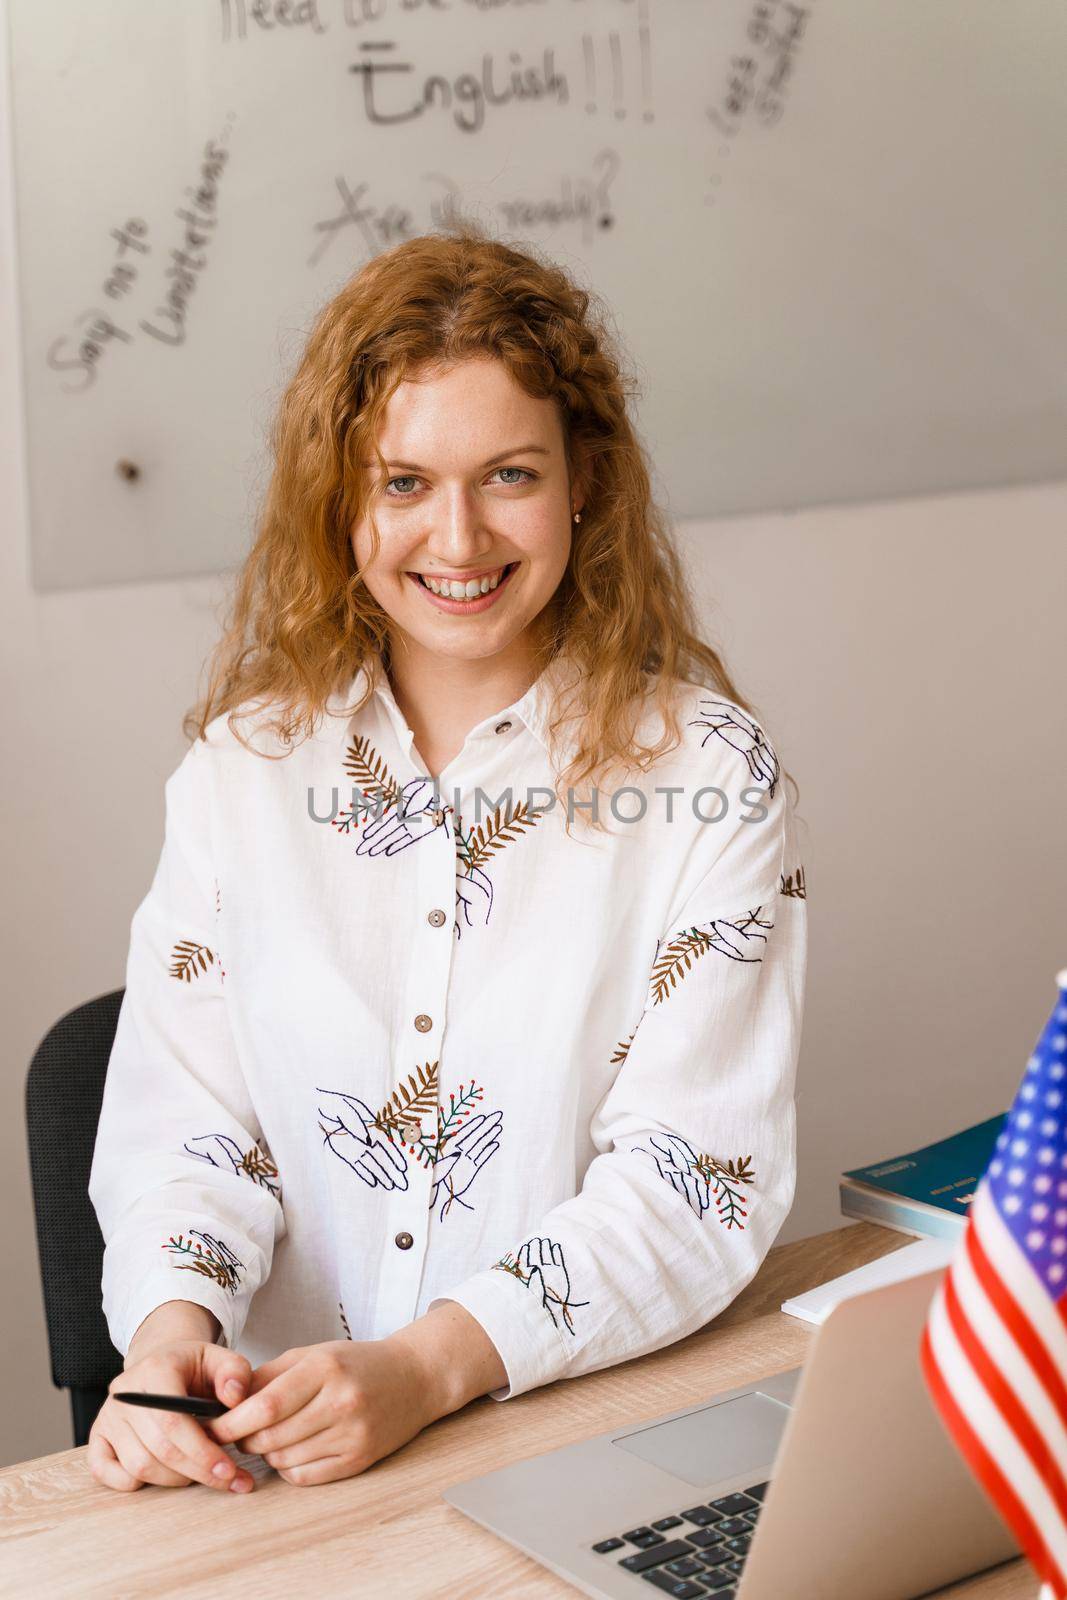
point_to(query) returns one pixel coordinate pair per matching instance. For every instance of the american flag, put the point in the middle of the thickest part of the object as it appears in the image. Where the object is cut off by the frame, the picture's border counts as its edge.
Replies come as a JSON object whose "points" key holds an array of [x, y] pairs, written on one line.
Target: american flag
{"points": [[994, 1348]]}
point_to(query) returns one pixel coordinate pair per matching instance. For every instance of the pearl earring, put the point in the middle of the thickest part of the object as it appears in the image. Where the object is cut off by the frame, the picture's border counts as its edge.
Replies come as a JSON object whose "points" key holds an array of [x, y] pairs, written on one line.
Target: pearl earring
{"points": [[577, 516]]}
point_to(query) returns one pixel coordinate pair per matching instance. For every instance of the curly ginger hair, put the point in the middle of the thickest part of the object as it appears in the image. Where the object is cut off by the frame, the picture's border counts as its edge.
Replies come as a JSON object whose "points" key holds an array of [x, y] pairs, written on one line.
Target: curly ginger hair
{"points": [[302, 620]]}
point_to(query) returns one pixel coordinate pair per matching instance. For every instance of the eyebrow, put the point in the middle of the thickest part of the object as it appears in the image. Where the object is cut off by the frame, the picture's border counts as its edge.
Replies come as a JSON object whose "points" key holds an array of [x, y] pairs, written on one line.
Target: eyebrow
{"points": [[516, 450]]}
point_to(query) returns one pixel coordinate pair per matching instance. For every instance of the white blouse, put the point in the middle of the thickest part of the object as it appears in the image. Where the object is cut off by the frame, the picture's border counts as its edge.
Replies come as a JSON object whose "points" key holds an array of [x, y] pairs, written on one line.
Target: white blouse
{"points": [[436, 1050]]}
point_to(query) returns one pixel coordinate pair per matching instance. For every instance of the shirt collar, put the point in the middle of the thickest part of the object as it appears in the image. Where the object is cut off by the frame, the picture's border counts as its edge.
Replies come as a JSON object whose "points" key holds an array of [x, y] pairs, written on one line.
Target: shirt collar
{"points": [[535, 709]]}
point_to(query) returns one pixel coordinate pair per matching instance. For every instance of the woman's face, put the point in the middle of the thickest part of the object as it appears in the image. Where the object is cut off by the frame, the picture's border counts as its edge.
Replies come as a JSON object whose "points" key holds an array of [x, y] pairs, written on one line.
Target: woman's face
{"points": [[478, 494]]}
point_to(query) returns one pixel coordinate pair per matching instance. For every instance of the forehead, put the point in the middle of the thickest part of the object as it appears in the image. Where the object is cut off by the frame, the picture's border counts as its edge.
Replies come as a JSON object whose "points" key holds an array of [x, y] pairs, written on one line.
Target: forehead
{"points": [[464, 407]]}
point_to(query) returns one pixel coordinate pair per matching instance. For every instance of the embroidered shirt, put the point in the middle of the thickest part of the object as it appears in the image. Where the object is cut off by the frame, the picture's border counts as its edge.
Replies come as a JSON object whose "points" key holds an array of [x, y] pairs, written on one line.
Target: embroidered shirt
{"points": [[388, 1041]]}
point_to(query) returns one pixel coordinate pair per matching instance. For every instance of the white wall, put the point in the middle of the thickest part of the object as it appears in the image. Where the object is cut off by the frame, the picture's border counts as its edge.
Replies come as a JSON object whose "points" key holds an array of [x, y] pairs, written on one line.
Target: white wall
{"points": [[911, 660]]}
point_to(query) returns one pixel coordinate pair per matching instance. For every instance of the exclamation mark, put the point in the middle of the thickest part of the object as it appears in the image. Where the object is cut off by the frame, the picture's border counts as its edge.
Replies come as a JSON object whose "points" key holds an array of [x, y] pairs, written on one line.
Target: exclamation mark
{"points": [[644, 37], [590, 72], [616, 73]]}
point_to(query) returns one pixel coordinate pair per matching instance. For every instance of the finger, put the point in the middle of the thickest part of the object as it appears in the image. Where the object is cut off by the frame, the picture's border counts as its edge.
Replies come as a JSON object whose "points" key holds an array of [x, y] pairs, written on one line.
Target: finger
{"points": [[180, 1447], [137, 1457], [105, 1466], [304, 1452], [329, 1470], [289, 1392]]}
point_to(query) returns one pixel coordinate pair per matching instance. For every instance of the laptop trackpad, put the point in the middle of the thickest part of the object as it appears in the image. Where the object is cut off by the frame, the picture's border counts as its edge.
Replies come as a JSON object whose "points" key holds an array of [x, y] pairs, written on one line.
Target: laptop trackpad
{"points": [[718, 1441]]}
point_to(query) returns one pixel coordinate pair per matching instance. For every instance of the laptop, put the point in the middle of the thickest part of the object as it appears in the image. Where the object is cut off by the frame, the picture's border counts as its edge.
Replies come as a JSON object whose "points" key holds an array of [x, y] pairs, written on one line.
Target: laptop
{"points": [[834, 1481]]}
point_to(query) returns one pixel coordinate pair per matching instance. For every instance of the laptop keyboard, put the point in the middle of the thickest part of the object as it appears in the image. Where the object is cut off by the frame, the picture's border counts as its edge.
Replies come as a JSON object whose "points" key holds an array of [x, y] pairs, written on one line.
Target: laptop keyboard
{"points": [[700, 1551]]}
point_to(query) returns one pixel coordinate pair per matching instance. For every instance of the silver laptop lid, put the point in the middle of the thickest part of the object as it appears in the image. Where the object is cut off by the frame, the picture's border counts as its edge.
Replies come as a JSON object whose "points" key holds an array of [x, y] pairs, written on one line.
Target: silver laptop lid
{"points": [[869, 1495]]}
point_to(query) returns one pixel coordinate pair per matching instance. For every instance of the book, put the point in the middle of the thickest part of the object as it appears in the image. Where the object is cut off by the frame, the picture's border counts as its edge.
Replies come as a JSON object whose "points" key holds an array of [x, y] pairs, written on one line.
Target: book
{"points": [[926, 1192], [924, 1255]]}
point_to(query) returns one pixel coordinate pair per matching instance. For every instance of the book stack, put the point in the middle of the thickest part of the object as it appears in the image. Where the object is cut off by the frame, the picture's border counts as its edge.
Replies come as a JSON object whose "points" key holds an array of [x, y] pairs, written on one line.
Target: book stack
{"points": [[926, 1192]]}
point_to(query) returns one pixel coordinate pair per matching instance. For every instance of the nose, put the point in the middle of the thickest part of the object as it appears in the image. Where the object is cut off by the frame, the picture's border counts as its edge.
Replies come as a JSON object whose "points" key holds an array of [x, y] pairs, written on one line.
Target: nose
{"points": [[458, 535]]}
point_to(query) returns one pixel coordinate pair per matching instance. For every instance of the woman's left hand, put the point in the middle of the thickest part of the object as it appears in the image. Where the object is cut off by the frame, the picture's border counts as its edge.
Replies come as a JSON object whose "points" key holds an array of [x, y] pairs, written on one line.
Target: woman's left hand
{"points": [[328, 1411]]}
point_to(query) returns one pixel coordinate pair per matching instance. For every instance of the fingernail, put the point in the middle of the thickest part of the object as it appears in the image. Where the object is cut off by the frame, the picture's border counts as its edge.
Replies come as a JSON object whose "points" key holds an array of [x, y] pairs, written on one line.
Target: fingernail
{"points": [[235, 1390], [241, 1485], [223, 1469]]}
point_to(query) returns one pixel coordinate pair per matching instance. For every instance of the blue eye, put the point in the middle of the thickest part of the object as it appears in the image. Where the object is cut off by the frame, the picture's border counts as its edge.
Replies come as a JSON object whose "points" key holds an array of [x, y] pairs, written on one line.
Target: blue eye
{"points": [[513, 483]]}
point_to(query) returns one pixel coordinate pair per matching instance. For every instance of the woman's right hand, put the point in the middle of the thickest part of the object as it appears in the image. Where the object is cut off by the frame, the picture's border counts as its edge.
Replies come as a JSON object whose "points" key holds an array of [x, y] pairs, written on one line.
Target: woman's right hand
{"points": [[130, 1446]]}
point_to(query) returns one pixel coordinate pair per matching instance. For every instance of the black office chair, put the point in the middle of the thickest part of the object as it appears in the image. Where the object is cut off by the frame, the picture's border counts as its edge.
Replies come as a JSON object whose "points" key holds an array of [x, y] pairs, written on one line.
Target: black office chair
{"points": [[64, 1091]]}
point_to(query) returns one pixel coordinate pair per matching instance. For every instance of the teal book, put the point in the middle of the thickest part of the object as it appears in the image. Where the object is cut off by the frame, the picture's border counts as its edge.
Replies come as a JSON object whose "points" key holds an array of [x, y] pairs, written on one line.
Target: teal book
{"points": [[926, 1192]]}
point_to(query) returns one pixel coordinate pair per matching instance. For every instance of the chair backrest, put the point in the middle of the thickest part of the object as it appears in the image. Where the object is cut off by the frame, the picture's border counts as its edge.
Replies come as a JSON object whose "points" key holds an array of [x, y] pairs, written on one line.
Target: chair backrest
{"points": [[64, 1091]]}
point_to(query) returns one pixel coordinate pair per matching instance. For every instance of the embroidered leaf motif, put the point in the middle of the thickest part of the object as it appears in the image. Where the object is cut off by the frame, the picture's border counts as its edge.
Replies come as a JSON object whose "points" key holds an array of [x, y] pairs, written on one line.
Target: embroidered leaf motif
{"points": [[260, 1169], [370, 771], [189, 959], [539, 1264], [725, 1176], [733, 939], [208, 1256], [223, 1151], [794, 885], [476, 847], [623, 1050], [344, 1320], [410, 1100]]}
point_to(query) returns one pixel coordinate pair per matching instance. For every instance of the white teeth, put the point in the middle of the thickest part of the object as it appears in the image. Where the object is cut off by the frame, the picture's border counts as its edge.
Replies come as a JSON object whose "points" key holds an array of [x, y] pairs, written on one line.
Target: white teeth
{"points": [[452, 589]]}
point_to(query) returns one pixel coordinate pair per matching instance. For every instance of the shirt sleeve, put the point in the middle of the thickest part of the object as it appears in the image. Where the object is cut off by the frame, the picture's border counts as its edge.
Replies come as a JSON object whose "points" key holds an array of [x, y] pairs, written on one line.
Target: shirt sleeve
{"points": [[696, 1137], [186, 1194]]}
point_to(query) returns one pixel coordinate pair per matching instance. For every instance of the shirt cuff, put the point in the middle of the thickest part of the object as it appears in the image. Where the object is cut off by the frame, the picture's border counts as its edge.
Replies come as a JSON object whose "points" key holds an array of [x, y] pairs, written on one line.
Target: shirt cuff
{"points": [[533, 1350], [124, 1322]]}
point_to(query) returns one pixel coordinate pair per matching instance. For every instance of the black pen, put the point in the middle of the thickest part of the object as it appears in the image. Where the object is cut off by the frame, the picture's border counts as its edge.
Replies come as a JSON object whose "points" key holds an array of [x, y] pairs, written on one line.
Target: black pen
{"points": [[192, 1404]]}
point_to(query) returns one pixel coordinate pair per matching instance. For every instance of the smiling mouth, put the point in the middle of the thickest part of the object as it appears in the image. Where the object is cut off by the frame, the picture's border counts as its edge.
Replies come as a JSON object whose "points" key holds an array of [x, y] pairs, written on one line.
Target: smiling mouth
{"points": [[474, 589]]}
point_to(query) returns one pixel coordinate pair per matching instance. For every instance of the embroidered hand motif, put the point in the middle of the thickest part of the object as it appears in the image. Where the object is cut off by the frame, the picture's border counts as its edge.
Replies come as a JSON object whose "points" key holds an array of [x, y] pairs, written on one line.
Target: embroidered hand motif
{"points": [[222, 1151], [731, 724], [701, 1178], [539, 1264], [352, 1134], [418, 814], [463, 1155]]}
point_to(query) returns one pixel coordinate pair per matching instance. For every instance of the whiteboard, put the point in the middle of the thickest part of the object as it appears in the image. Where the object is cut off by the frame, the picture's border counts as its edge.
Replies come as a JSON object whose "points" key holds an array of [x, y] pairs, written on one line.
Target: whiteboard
{"points": [[830, 236]]}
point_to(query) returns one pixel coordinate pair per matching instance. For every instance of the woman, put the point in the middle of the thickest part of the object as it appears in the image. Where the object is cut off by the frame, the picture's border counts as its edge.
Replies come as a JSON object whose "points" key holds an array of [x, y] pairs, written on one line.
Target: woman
{"points": [[474, 1069]]}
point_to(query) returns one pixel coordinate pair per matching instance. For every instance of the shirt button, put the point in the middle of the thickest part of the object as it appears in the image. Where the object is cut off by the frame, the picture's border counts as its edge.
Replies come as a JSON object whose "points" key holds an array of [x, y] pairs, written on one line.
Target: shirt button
{"points": [[502, 727], [423, 1022], [435, 918], [437, 817], [411, 1131], [403, 1241]]}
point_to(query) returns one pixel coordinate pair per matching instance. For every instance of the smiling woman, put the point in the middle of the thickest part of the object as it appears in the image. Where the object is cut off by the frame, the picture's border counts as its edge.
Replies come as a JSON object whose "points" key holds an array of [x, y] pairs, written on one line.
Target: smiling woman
{"points": [[519, 1102]]}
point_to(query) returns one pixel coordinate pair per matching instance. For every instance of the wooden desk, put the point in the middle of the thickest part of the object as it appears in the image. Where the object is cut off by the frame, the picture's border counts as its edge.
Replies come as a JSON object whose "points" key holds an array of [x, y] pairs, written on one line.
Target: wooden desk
{"points": [[387, 1532]]}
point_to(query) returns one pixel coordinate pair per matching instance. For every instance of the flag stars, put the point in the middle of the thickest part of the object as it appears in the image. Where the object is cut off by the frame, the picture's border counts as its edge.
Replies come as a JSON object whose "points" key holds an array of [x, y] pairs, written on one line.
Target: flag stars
{"points": [[1019, 1147], [1046, 1154], [1058, 1245], [1054, 1098], [1059, 1217], [1027, 1091], [1011, 1203], [1050, 1127], [1035, 1239], [1055, 1272], [1016, 1176], [1023, 1120], [1042, 1183], [1056, 1070], [1039, 1211]]}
